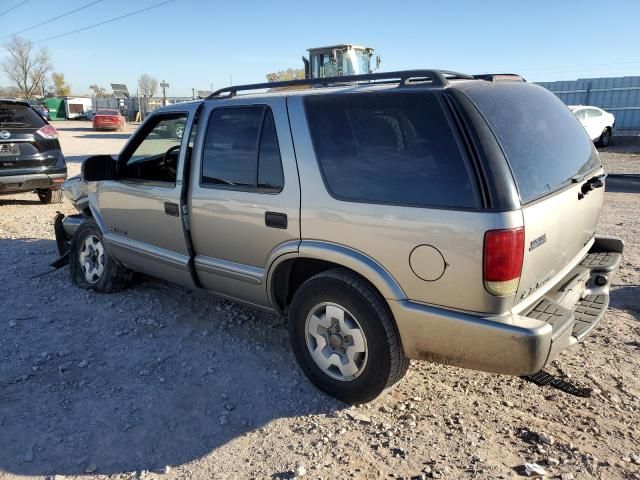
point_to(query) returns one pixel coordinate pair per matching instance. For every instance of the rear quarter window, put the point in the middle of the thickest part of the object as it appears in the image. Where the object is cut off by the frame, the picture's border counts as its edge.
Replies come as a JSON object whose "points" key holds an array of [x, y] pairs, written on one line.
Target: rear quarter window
{"points": [[543, 142], [395, 148]]}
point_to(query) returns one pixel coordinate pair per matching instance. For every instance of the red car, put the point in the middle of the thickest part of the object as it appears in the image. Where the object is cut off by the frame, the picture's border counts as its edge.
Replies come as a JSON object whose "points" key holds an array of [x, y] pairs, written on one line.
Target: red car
{"points": [[108, 119]]}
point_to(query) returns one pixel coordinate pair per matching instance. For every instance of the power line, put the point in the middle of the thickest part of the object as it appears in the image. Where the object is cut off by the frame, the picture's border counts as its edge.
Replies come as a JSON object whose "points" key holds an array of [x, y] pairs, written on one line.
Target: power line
{"points": [[105, 22], [13, 8], [51, 19]]}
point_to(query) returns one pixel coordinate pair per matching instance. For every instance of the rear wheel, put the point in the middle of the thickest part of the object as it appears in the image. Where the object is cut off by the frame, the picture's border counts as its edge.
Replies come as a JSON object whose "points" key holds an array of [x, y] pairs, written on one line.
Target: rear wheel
{"points": [[344, 337], [91, 265], [50, 196], [605, 137]]}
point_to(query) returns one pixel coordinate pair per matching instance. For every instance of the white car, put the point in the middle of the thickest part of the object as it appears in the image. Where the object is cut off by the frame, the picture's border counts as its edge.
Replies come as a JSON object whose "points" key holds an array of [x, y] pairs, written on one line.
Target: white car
{"points": [[597, 122]]}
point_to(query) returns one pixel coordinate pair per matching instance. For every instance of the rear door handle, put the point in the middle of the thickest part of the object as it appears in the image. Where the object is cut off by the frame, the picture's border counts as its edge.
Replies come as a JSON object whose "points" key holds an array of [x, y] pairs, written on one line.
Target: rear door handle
{"points": [[275, 220], [171, 209]]}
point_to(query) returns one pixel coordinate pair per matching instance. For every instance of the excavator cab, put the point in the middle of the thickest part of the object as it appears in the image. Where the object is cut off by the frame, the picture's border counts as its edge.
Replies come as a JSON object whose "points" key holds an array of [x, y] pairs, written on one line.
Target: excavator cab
{"points": [[338, 60]]}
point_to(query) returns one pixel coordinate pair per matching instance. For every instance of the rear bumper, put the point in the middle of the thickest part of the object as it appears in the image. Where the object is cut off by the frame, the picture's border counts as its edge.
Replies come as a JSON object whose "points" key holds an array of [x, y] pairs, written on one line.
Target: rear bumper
{"points": [[515, 344], [32, 181]]}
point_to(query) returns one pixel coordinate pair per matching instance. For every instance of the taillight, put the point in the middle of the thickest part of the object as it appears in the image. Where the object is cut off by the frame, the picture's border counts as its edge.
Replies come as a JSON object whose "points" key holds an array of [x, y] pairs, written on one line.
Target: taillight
{"points": [[502, 264], [48, 132]]}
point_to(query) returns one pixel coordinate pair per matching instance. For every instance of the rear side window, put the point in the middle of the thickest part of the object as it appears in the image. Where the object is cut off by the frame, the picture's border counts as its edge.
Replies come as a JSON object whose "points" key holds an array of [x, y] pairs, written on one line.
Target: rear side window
{"points": [[393, 148], [542, 140], [19, 116], [241, 150]]}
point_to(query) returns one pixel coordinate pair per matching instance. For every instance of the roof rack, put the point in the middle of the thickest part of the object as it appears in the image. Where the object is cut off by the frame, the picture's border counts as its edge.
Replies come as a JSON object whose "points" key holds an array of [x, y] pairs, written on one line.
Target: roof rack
{"points": [[404, 78], [500, 77]]}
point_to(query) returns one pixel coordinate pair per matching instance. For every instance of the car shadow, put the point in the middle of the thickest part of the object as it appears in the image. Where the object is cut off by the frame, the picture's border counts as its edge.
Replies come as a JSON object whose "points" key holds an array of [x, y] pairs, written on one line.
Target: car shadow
{"points": [[106, 134], [155, 375], [623, 183], [626, 298], [75, 129], [13, 201]]}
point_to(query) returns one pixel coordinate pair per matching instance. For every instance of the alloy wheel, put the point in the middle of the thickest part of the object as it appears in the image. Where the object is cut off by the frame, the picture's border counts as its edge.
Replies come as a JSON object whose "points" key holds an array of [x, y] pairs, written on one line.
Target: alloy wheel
{"points": [[336, 341]]}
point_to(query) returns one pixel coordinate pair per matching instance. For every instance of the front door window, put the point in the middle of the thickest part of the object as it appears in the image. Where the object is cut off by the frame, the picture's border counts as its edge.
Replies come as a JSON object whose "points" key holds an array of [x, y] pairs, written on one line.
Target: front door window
{"points": [[154, 156]]}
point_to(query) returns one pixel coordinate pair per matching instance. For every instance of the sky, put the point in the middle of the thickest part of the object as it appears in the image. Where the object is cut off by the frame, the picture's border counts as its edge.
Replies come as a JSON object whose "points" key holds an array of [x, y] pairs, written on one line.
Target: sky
{"points": [[199, 44]]}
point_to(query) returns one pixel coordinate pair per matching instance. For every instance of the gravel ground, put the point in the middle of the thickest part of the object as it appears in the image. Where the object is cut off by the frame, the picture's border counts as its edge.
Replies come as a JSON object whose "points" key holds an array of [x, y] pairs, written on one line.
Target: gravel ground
{"points": [[162, 382]]}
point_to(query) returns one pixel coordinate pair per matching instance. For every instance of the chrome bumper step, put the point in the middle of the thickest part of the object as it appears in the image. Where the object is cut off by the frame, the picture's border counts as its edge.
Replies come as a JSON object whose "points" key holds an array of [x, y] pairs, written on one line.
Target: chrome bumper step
{"points": [[602, 261], [588, 312]]}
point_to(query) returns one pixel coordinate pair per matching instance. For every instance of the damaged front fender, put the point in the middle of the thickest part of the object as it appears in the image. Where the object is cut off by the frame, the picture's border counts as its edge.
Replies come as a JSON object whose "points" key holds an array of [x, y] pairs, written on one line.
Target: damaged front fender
{"points": [[65, 228]]}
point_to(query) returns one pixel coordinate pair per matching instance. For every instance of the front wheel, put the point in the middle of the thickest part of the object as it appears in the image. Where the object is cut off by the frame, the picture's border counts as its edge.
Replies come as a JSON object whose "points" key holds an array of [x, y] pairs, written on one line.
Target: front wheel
{"points": [[178, 130], [50, 196], [91, 265], [344, 337]]}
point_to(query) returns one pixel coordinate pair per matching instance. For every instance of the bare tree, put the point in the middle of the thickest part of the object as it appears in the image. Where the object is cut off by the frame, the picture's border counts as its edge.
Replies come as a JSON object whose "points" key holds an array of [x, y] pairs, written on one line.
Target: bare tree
{"points": [[8, 92], [98, 91], [289, 74], [60, 86], [147, 85], [26, 67]]}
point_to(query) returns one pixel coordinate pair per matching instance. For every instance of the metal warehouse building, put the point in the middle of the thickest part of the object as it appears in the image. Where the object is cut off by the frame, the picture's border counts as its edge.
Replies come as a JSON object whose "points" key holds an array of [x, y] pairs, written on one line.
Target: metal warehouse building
{"points": [[618, 95]]}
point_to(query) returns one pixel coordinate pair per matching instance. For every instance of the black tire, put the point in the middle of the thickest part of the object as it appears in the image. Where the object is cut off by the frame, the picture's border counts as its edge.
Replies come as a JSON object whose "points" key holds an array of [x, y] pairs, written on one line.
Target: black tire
{"points": [[605, 138], [50, 196], [114, 277], [386, 363]]}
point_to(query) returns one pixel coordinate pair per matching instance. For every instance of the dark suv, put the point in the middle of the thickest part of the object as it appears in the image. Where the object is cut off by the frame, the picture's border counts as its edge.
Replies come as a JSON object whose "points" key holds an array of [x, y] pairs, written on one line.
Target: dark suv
{"points": [[30, 155]]}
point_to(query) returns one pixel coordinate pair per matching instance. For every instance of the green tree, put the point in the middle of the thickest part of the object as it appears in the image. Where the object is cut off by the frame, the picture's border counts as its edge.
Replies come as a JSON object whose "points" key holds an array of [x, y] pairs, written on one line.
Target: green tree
{"points": [[60, 87], [288, 74], [98, 91]]}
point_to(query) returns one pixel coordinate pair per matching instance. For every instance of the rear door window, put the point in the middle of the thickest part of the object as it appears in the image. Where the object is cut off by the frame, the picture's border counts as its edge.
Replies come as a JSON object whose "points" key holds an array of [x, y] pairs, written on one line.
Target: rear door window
{"points": [[543, 142], [395, 148], [19, 116], [241, 150]]}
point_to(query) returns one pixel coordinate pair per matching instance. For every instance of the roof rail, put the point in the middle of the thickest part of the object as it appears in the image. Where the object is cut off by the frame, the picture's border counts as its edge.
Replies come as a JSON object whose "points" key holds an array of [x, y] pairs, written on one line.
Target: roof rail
{"points": [[404, 78], [500, 77]]}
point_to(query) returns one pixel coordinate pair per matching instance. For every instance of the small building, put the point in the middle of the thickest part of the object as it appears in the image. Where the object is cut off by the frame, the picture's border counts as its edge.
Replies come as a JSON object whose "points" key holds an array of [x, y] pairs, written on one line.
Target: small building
{"points": [[76, 106], [61, 108]]}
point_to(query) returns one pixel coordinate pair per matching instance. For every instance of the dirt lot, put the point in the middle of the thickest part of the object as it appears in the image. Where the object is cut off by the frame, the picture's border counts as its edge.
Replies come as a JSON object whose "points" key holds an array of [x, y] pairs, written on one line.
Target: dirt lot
{"points": [[161, 382]]}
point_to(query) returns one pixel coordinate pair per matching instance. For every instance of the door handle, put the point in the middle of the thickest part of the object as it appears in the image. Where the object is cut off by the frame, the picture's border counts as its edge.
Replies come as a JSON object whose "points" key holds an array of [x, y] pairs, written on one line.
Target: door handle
{"points": [[275, 220], [171, 209]]}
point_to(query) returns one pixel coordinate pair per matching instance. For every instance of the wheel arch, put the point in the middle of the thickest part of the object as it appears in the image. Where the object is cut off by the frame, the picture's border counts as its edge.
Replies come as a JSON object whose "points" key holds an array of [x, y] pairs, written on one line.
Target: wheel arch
{"points": [[288, 272]]}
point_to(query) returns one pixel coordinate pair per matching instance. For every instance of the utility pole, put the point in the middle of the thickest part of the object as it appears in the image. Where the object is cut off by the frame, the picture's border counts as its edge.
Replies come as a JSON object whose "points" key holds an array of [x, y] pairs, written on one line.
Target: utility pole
{"points": [[164, 85]]}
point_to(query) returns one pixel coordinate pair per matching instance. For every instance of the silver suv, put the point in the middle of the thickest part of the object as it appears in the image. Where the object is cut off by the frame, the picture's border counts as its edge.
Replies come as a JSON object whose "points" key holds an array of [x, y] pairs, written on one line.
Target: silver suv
{"points": [[422, 215]]}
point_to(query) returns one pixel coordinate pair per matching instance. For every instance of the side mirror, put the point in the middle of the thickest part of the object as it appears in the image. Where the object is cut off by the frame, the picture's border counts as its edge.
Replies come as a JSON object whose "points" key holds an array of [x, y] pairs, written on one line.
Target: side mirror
{"points": [[99, 167]]}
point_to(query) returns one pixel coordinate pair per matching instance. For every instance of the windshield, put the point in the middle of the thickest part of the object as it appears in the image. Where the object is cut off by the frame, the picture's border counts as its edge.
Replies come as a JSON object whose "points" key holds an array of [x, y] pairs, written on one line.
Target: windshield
{"points": [[17, 115], [350, 62], [543, 142], [362, 61]]}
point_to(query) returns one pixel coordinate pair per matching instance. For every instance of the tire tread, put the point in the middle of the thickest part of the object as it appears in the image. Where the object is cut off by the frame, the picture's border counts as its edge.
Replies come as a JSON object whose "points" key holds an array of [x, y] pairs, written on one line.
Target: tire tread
{"points": [[399, 363]]}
